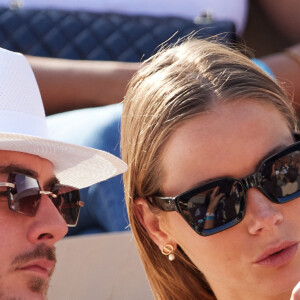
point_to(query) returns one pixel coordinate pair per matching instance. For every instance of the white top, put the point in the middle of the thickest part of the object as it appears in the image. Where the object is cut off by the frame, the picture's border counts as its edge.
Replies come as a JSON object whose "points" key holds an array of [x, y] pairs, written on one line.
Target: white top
{"points": [[234, 10]]}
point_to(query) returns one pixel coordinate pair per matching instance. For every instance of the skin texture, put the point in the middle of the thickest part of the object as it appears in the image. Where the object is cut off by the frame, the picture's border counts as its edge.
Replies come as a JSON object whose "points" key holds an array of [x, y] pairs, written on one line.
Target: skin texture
{"points": [[27, 243], [229, 141]]}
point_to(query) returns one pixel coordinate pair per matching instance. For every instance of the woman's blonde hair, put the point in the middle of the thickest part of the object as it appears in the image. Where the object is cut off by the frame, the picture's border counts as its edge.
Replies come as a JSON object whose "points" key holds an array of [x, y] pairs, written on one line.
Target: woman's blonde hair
{"points": [[176, 84]]}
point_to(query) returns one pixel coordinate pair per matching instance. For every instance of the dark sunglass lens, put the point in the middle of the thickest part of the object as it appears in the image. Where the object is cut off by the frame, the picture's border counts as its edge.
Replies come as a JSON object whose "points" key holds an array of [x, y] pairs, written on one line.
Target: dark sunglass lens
{"points": [[67, 203], [280, 177], [25, 196], [218, 205]]}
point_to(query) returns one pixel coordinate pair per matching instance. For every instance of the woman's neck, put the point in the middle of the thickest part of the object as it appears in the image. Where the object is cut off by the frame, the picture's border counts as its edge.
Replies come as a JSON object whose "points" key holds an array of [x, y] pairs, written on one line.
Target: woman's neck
{"points": [[229, 294]]}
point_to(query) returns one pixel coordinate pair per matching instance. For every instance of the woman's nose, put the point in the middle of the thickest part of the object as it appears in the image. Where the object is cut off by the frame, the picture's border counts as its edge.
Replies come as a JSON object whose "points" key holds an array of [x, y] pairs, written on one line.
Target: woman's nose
{"points": [[261, 214]]}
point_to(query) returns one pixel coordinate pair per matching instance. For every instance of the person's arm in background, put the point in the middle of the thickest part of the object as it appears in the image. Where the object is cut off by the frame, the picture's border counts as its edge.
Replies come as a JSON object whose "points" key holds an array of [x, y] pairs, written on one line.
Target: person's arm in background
{"points": [[284, 15], [286, 68], [72, 84]]}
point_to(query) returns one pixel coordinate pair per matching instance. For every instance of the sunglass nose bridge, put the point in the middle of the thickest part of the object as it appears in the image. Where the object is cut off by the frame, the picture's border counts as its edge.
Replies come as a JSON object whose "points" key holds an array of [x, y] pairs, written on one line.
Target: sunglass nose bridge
{"points": [[251, 181], [48, 193]]}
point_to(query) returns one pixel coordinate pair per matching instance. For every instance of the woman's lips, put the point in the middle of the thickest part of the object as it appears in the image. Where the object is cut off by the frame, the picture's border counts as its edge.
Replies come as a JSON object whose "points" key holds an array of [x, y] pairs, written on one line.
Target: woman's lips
{"points": [[277, 256]]}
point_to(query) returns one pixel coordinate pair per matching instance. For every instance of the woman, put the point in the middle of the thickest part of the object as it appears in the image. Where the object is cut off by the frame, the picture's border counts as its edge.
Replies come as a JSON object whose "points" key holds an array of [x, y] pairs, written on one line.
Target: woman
{"points": [[203, 122]]}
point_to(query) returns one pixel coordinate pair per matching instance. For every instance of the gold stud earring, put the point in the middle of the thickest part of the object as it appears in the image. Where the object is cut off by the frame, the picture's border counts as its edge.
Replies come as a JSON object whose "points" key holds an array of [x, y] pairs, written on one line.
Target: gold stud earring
{"points": [[169, 251]]}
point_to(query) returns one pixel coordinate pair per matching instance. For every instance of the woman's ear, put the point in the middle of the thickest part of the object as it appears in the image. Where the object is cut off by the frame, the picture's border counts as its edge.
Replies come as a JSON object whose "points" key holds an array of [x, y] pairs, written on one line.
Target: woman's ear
{"points": [[151, 222]]}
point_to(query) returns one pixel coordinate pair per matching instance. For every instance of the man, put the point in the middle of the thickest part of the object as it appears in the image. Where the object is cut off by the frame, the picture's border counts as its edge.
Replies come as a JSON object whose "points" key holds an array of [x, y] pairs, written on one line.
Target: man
{"points": [[39, 181]]}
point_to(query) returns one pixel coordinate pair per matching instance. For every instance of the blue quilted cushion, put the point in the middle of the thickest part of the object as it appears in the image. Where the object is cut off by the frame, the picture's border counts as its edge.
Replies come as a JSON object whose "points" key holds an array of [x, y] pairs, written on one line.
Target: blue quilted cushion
{"points": [[95, 36]]}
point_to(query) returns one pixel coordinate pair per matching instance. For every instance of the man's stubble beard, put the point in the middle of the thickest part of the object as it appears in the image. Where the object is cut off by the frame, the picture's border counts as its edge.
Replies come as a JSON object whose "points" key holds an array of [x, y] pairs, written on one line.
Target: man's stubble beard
{"points": [[35, 284]]}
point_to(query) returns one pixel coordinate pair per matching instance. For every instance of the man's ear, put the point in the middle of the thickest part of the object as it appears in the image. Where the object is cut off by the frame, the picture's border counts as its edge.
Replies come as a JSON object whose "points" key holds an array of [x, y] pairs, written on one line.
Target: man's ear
{"points": [[151, 222]]}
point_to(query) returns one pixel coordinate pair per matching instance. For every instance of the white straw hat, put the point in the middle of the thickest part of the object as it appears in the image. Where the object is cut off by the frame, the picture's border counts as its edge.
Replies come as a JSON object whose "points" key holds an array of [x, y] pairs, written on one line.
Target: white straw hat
{"points": [[23, 128]]}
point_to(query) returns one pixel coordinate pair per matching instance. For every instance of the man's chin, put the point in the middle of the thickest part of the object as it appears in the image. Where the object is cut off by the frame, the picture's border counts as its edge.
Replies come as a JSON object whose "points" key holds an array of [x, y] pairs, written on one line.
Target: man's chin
{"points": [[23, 295], [34, 288], [38, 285]]}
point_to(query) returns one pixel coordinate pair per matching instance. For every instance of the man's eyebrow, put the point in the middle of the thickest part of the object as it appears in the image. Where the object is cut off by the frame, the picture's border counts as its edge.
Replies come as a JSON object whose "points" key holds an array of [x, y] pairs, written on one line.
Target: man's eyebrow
{"points": [[19, 169]]}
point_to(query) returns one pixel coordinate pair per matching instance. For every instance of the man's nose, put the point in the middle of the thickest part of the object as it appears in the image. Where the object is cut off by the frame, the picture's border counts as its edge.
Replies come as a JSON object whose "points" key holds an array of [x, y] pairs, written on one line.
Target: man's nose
{"points": [[48, 226]]}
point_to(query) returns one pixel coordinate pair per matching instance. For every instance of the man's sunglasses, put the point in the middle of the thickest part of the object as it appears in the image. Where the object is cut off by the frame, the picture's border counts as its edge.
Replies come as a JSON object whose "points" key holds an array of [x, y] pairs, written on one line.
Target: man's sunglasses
{"points": [[24, 196], [221, 204]]}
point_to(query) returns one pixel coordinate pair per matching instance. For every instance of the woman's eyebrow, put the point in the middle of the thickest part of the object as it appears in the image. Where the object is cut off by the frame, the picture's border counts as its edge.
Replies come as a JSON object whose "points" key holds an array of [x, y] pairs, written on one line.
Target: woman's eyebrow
{"points": [[272, 152], [208, 180]]}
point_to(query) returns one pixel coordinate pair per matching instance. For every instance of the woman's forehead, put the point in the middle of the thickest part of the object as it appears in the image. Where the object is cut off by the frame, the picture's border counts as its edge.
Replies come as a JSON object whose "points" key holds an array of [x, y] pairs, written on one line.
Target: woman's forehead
{"points": [[228, 141]]}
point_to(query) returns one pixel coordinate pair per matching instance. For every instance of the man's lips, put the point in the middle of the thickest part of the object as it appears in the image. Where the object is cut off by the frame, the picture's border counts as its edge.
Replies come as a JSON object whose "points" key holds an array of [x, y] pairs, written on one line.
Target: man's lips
{"points": [[278, 254], [43, 267]]}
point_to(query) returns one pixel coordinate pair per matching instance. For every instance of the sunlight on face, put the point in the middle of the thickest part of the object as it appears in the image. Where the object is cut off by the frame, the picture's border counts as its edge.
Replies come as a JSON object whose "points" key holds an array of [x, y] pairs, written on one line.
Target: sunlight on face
{"points": [[229, 142]]}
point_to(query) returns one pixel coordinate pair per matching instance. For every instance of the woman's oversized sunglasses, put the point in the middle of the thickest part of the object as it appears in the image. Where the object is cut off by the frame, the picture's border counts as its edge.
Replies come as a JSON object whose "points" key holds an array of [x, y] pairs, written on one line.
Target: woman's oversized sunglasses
{"points": [[24, 195], [221, 204]]}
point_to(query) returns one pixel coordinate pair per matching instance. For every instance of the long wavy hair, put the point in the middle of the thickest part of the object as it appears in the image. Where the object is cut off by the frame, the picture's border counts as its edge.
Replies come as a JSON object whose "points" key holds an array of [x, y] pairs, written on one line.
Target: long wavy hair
{"points": [[176, 84]]}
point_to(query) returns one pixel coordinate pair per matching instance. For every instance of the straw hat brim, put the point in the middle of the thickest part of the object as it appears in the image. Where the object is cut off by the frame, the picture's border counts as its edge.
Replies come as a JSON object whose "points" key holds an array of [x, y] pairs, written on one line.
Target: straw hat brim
{"points": [[74, 165]]}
